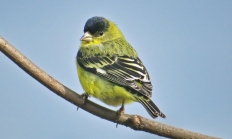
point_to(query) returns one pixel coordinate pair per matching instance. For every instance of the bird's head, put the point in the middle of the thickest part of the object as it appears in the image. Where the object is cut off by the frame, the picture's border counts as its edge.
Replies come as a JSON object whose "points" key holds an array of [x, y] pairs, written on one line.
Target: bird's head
{"points": [[98, 30]]}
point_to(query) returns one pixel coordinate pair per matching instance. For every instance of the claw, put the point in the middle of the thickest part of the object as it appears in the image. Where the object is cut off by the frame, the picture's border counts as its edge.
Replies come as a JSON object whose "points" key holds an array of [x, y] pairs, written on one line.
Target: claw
{"points": [[84, 96], [120, 112]]}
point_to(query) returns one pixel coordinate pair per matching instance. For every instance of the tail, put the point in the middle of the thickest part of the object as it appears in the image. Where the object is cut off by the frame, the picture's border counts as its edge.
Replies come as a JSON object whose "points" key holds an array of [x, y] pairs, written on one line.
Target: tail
{"points": [[151, 108]]}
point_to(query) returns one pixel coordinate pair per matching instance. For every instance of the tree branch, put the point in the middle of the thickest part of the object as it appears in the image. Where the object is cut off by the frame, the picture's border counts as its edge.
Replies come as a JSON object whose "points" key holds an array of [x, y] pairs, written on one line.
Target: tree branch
{"points": [[133, 121]]}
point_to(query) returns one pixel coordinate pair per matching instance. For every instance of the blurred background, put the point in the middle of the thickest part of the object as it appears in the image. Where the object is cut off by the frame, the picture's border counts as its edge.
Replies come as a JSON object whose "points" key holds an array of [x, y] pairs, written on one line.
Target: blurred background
{"points": [[186, 47]]}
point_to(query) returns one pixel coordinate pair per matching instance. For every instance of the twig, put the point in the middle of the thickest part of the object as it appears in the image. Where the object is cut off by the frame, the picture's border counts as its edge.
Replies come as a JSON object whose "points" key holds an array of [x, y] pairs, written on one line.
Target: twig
{"points": [[133, 121]]}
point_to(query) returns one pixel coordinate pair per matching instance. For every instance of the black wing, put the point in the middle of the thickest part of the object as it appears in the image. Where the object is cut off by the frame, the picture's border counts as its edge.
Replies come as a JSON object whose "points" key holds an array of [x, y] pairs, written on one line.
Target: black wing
{"points": [[122, 70]]}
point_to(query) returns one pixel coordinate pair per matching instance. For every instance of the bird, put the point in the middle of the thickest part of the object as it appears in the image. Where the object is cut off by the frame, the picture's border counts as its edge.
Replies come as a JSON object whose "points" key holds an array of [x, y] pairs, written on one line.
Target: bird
{"points": [[110, 69]]}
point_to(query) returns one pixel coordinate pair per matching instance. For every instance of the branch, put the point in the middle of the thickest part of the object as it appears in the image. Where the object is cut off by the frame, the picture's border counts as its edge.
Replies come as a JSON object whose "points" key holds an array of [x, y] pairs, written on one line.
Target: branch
{"points": [[133, 121]]}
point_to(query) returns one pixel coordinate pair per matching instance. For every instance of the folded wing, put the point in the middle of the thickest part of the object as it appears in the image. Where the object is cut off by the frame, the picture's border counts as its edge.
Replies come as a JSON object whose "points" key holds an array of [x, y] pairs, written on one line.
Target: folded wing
{"points": [[122, 70]]}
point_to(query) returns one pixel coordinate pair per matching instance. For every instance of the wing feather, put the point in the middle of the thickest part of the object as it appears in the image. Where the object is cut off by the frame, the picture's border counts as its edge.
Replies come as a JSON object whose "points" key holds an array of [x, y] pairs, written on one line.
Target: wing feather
{"points": [[122, 70]]}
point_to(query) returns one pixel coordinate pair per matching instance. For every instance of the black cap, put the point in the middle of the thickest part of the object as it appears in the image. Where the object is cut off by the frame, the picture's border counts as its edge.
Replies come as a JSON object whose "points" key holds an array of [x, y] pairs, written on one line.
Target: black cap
{"points": [[96, 24]]}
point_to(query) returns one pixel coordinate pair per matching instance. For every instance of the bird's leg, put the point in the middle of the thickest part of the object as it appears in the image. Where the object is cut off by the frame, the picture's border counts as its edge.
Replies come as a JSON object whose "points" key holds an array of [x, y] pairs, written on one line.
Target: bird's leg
{"points": [[84, 96], [120, 112]]}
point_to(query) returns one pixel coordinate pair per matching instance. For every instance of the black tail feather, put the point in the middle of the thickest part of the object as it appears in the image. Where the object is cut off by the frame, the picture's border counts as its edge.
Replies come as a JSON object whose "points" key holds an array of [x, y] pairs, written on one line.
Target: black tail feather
{"points": [[151, 108]]}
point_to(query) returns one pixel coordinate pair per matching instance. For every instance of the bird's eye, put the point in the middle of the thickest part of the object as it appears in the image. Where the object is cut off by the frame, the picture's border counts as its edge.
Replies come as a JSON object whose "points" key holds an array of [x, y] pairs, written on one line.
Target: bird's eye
{"points": [[101, 33]]}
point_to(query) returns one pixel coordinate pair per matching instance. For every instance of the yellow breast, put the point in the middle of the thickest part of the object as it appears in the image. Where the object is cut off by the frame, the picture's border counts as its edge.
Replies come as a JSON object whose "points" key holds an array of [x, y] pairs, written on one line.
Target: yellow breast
{"points": [[102, 89]]}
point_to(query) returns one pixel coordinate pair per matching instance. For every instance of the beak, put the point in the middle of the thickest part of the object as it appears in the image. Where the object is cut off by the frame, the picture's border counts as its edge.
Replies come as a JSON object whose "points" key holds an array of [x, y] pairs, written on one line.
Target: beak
{"points": [[86, 37]]}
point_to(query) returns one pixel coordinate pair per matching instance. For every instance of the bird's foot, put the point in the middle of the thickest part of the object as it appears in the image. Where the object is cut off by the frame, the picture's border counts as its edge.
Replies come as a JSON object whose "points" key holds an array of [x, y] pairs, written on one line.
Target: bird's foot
{"points": [[84, 96], [119, 113]]}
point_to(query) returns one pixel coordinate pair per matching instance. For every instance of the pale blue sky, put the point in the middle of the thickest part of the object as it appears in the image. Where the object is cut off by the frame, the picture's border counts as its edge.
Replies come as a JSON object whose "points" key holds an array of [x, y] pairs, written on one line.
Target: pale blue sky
{"points": [[185, 45]]}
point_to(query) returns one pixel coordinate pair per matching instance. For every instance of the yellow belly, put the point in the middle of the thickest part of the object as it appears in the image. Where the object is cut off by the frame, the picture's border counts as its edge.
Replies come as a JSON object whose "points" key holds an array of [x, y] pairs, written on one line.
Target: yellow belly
{"points": [[104, 90]]}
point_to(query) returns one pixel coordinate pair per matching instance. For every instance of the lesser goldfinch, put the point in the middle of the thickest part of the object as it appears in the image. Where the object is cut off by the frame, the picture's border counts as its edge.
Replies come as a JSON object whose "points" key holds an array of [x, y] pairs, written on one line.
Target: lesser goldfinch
{"points": [[109, 67]]}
